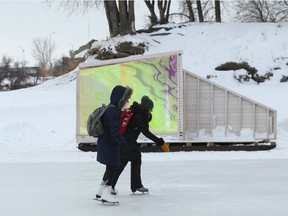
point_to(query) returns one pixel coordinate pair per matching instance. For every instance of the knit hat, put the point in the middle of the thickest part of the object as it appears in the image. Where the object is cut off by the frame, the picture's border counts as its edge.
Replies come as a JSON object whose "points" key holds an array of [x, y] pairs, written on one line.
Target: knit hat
{"points": [[147, 103]]}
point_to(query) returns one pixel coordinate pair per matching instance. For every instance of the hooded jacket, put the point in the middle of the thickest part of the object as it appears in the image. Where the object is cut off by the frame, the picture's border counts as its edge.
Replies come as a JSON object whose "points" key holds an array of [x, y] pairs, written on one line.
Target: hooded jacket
{"points": [[139, 123], [108, 143]]}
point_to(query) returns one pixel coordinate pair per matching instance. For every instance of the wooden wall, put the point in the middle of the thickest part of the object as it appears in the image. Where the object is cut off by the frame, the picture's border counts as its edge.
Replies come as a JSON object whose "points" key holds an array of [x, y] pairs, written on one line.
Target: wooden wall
{"points": [[217, 112]]}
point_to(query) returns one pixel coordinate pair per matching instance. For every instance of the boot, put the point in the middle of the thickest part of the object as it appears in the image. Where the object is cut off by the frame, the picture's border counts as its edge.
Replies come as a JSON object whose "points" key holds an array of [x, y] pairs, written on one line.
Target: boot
{"points": [[107, 197], [141, 189], [100, 189]]}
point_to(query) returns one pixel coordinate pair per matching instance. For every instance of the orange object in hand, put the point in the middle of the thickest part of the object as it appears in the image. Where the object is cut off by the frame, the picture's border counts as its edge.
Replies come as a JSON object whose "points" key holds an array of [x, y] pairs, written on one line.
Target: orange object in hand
{"points": [[165, 148]]}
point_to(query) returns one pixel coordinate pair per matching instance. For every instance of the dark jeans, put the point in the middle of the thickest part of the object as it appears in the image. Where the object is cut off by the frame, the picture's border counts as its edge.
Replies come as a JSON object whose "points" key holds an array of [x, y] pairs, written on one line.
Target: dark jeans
{"points": [[135, 178]]}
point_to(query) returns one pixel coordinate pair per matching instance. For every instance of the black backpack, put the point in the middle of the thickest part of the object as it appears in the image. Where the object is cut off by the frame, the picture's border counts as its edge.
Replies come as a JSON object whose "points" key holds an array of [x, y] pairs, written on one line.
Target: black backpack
{"points": [[95, 127]]}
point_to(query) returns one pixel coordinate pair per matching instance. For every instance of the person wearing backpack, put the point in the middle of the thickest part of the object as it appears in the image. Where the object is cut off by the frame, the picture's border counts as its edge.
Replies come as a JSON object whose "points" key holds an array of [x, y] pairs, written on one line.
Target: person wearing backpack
{"points": [[109, 142], [139, 123]]}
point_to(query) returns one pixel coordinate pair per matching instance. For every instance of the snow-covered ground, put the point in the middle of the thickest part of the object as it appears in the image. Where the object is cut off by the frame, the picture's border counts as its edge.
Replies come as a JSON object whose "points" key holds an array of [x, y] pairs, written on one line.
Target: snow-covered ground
{"points": [[43, 172]]}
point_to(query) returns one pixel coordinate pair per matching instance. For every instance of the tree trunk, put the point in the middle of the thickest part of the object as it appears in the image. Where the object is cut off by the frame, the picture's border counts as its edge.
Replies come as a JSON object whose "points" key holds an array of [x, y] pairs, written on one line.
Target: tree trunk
{"points": [[131, 15], [200, 11], [190, 11], [112, 15], [120, 21], [153, 16], [217, 11], [123, 17], [164, 6], [168, 11]]}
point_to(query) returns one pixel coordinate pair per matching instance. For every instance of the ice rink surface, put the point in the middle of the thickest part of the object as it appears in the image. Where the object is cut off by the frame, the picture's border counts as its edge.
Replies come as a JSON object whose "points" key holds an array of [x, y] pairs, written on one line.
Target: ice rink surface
{"points": [[199, 188]]}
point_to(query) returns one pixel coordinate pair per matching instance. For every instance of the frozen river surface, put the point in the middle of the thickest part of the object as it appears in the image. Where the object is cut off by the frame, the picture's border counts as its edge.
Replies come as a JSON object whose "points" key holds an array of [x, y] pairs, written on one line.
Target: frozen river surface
{"points": [[199, 188]]}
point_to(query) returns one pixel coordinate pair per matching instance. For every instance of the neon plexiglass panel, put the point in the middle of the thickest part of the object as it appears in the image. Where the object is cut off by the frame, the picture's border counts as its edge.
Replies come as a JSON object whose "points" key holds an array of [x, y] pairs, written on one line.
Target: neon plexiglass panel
{"points": [[155, 77]]}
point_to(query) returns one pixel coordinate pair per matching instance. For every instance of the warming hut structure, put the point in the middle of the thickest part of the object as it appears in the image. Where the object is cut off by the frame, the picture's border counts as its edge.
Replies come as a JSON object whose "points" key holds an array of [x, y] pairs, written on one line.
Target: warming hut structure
{"points": [[190, 112]]}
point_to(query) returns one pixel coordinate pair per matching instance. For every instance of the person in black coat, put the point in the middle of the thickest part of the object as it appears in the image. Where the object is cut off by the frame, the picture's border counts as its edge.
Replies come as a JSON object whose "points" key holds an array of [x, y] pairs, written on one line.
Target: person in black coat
{"points": [[139, 123], [108, 143]]}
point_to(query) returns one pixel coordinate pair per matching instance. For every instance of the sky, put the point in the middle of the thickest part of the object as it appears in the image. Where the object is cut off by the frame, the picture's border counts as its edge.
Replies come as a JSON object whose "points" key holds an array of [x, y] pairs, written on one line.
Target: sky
{"points": [[45, 174], [23, 21]]}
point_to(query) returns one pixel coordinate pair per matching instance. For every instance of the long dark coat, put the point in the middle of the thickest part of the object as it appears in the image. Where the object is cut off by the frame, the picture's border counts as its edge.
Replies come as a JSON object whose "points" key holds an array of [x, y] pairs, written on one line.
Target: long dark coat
{"points": [[139, 123], [108, 143]]}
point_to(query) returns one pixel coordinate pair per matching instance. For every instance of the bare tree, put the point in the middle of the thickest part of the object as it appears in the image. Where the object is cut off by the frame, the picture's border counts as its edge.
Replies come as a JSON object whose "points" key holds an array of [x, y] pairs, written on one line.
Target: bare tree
{"points": [[200, 11], [42, 51], [187, 6], [12, 76], [126, 14], [126, 17], [120, 21], [217, 11], [163, 8], [112, 15], [76, 6], [190, 10], [4, 70], [262, 11], [205, 10], [120, 14], [153, 17], [18, 77]]}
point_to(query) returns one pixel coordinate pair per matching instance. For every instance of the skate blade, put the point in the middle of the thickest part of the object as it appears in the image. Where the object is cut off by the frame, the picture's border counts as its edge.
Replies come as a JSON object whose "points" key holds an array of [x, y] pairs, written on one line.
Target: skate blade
{"points": [[139, 193], [104, 202], [97, 199]]}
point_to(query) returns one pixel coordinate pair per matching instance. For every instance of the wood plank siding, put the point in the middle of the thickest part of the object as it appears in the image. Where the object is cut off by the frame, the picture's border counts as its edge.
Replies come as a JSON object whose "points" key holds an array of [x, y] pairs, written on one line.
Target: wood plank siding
{"points": [[210, 108]]}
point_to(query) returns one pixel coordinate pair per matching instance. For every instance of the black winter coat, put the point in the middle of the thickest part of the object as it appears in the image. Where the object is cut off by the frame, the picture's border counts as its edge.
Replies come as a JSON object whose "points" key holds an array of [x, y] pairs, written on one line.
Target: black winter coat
{"points": [[108, 143], [139, 123]]}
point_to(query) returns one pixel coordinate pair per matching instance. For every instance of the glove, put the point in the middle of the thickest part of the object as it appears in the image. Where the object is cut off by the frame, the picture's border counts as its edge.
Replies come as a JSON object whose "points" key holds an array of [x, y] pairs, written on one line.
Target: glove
{"points": [[165, 148], [160, 142]]}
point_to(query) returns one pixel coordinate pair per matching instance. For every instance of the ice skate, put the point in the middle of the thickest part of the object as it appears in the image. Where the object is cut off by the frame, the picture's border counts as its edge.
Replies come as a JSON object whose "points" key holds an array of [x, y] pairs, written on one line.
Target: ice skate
{"points": [[107, 197], [100, 190], [142, 190]]}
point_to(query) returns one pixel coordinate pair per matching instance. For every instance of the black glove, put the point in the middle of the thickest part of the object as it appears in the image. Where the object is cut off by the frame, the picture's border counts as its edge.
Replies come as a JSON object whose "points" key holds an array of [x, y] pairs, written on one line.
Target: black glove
{"points": [[160, 142]]}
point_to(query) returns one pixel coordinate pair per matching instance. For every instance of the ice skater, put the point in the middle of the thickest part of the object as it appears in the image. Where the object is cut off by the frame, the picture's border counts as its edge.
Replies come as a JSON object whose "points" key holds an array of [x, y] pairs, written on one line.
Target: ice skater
{"points": [[108, 143], [139, 123]]}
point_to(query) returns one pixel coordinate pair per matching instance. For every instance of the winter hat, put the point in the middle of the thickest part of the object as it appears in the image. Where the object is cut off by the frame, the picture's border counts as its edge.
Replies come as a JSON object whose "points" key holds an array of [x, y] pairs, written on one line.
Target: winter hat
{"points": [[147, 103]]}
